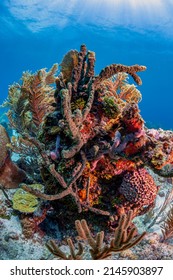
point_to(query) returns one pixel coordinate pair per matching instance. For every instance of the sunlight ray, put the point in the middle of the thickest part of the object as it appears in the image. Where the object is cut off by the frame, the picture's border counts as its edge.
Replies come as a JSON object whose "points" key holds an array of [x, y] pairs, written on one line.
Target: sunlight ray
{"points": [[148, 15]]}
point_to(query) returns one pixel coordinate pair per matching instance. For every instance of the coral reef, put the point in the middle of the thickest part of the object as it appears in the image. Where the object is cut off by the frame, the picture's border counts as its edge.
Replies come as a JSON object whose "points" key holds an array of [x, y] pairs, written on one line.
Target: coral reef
{"points": [[84, 140]]}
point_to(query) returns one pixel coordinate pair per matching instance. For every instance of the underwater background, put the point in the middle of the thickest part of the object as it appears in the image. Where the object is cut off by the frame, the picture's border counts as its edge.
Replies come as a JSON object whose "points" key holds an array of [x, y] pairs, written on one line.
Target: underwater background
{"points": [[35, 34], [86, 145]]}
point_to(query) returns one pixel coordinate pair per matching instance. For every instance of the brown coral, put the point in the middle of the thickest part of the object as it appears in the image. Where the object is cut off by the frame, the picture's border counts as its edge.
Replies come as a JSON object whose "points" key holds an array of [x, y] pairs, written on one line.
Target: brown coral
{"points": [[124, 238], [10, 175], [4, 140]]}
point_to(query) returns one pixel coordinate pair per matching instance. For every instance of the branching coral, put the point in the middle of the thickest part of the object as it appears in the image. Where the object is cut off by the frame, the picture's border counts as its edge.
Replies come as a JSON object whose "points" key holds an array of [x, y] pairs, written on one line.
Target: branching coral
{"points": [[113, 69], [125, 237]]}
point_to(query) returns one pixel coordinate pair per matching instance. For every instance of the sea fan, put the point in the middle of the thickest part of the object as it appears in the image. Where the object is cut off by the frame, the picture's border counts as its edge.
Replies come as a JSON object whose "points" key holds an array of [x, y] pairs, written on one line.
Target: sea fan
{"points": [[130, 93], [167, 227], [41, 94], [115, 83], [18, 103], [69, 62], [31, 100]]}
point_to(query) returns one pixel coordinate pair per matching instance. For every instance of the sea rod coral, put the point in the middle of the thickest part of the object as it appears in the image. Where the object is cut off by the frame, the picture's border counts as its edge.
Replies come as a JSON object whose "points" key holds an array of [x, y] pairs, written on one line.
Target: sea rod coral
{"points": [[87, 139]]}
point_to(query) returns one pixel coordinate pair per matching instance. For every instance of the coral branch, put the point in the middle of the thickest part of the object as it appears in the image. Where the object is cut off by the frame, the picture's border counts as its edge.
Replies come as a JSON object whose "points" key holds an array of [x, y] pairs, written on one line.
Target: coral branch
{"points": [[57, 176], [124, 238], [67, 114], [113, 69], [78, 72], [46, 196], [91, 61], [95, 210], [90, 100], [79, 173], [69, 153], [56, 251]]}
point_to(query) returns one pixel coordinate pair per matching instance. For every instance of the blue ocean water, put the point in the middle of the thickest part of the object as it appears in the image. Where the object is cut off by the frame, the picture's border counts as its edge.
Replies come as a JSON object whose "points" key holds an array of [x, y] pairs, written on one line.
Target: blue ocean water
{"points": [[36, 34]]}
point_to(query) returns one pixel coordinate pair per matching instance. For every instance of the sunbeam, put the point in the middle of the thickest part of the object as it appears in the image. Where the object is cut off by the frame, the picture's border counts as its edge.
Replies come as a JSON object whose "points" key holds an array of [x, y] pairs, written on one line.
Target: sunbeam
{"points": [[143, 14]]}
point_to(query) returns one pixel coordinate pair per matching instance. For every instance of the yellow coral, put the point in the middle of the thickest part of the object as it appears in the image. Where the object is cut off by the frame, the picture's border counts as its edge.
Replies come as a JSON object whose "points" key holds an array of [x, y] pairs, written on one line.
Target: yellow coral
{"points": [[24, 201]]}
